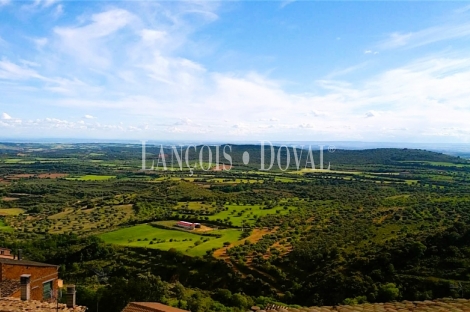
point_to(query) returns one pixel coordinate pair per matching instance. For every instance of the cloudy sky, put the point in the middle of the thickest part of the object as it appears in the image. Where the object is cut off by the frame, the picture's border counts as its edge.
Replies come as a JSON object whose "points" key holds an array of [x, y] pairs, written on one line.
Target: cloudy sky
{"points": [[236, 70]]}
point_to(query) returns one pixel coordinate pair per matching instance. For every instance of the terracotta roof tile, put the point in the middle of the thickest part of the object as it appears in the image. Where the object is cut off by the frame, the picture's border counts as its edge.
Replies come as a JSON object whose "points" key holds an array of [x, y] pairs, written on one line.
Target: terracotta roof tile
{"points": [[441, 305], [150, 307], [16, 305]]}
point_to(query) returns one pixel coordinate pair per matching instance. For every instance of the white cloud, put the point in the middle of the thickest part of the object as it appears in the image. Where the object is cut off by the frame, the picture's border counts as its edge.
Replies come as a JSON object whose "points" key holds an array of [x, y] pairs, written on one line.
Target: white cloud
{"points": [[307, 126], [9, 70], [48, 3], [27, 63], [174, 130], [426, 36], [39, 5], [317, 113], [345, 71], [133, 66], [285, 3], [4, 2], [415, 96], [59, 10], [184, 122], [463, 9], [152, 36], [5, 116], [40, 42], [83, 42], [45, 3], [371, 114]]}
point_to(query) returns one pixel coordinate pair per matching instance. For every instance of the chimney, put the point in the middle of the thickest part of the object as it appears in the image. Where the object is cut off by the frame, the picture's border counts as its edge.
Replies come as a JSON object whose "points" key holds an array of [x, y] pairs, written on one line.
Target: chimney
{"points": [[70, 297], [20, 252], [25, 281]]}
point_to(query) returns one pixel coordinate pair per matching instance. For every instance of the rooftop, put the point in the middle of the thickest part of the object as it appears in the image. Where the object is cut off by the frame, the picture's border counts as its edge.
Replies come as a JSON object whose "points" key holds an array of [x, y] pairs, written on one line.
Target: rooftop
{"points": [[16, 305], [6, 253], [26, 262], [149, 307], [441, 305]]}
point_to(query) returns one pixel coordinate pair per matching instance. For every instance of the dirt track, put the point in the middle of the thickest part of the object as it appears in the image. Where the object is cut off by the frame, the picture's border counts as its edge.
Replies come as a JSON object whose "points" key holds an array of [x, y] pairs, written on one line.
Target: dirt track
{"points": [[203, 229], [253, 238]]}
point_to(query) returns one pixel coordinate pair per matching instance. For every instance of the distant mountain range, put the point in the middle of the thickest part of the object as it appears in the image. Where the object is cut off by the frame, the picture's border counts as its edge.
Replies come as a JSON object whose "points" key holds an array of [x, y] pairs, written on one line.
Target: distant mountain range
{"points": [[455, 149]]}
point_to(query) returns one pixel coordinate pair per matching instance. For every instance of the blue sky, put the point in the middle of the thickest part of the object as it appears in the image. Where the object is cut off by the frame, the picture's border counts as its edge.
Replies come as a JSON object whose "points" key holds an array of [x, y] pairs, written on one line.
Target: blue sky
{"points": [[395, 71]]}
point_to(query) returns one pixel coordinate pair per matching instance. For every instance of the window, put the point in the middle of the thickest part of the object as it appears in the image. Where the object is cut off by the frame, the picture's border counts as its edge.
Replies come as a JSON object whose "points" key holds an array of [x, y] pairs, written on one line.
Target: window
{"points": [[47, 290]]}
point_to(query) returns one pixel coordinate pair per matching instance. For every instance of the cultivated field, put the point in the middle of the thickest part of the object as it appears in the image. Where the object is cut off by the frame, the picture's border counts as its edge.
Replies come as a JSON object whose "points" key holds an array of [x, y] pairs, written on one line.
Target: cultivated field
{"points": [[11, 211], [190, 243], [93, 178]]}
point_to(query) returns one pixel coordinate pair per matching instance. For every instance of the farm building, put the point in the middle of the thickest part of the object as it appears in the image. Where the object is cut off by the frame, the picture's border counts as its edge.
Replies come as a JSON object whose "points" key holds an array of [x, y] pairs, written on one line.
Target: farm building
{"points": [[188, 225]]}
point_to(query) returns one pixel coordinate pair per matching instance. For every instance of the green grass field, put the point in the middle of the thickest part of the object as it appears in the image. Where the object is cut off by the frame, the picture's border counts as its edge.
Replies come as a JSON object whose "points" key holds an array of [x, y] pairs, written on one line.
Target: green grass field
{"points": [[12, 160], [309, 170], [236, 213], [4, 227], [10, 211], [34, 160], [194, 205], [248, 215], [92, 178], [232, 181], [181, 241]]}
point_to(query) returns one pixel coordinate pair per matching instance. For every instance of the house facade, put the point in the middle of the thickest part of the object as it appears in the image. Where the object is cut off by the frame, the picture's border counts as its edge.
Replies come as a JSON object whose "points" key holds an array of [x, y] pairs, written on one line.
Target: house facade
{"points": [[42, 279], [6, 253]]}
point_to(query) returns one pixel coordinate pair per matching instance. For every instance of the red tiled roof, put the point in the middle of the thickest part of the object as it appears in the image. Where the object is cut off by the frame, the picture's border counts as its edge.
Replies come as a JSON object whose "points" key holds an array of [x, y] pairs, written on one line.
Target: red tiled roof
{"points": [[150, 307], [17, 305], [441, 305]]}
